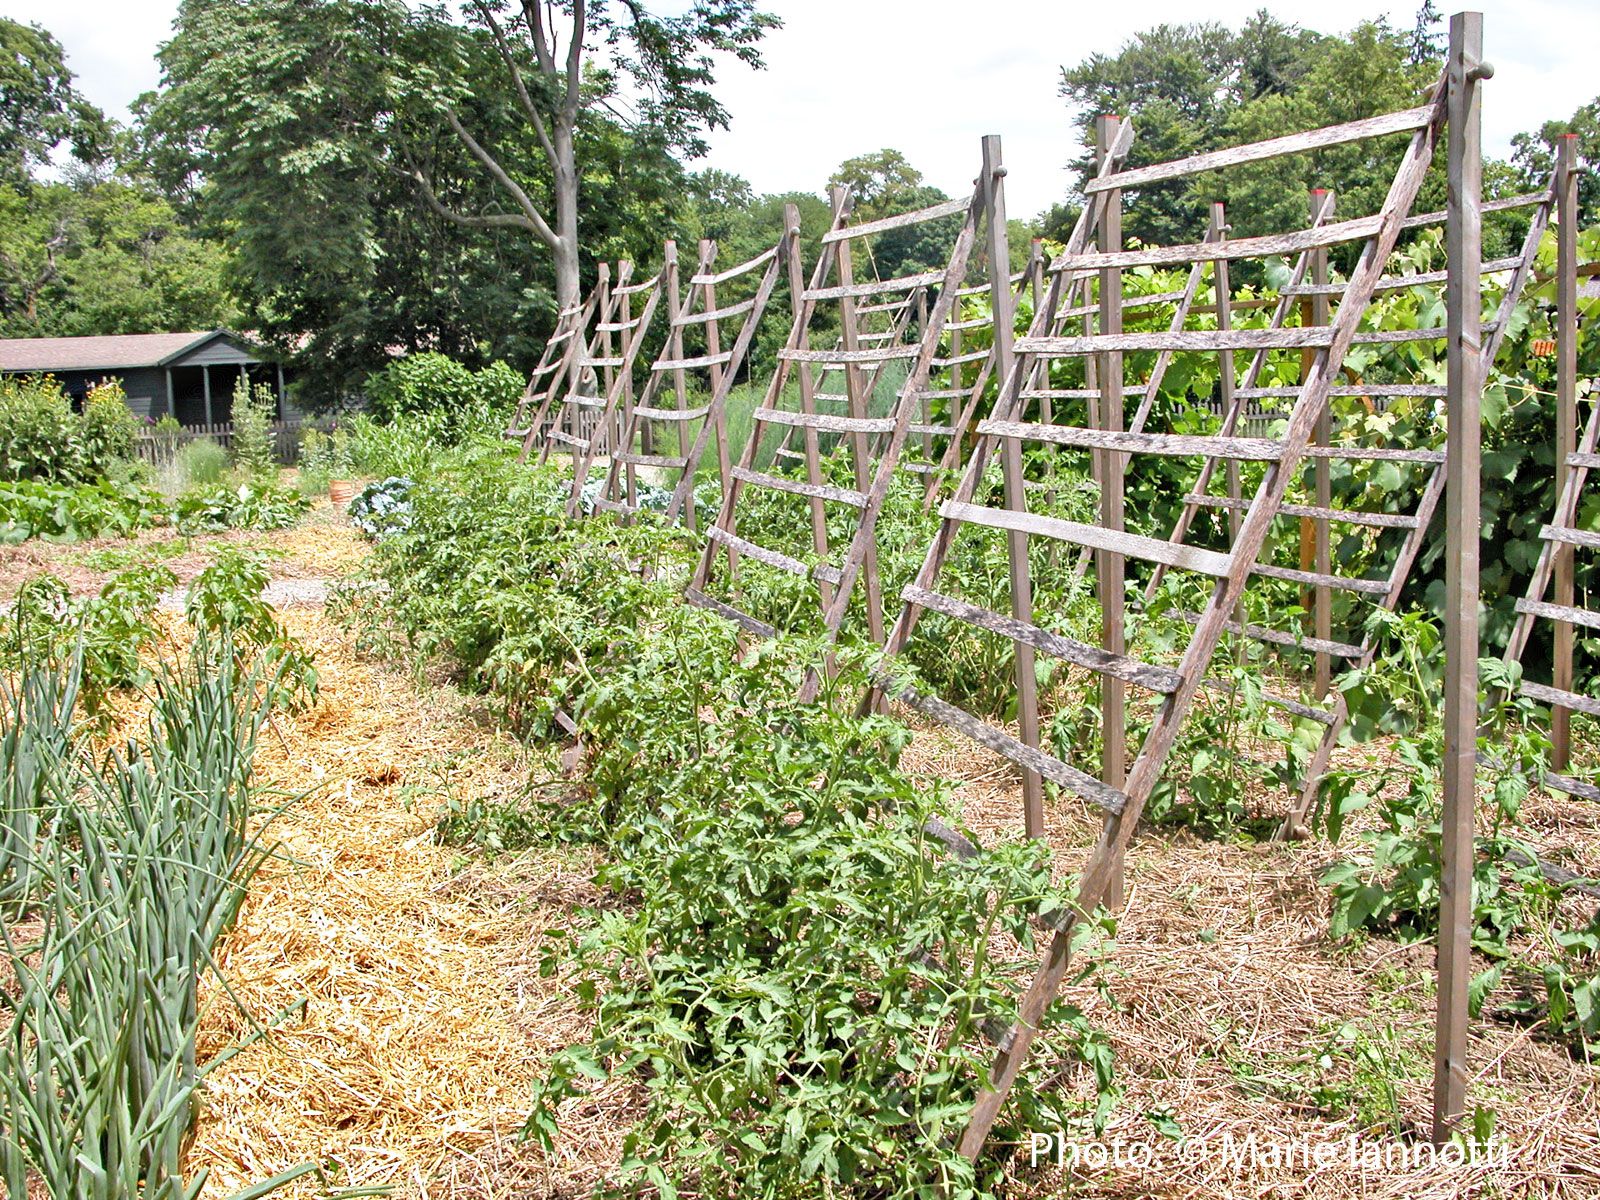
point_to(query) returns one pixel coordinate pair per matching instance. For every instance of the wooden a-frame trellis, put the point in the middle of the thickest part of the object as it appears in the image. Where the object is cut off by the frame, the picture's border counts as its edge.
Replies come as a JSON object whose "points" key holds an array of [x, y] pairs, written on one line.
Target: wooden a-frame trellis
{"points": [[1575, 458], [1453, 104], [872, 472], [581, 417], [635, 446], [1326, 705], [553, 373]]}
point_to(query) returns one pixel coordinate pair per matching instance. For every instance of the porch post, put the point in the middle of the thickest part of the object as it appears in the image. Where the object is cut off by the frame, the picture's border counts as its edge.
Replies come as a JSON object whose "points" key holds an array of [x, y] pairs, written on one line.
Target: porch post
{"points": [[172, 404], [205, 375]]}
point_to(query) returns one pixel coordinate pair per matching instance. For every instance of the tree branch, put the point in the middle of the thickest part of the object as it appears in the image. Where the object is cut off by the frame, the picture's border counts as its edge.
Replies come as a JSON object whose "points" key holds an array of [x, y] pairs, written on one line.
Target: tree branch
{"points": [[524, 201], [468, 220], [517, 81], [575, 59], [541, 50]]}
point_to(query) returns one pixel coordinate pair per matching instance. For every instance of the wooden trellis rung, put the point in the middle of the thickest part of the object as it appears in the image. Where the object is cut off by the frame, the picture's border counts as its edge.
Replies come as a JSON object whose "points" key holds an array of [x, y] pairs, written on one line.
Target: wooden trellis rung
{"points": [[1346, 583], [849, 357], [876, 287], [1296, 707], [1171, 444], [1084, 786], [1569, 536], [685, 319], [773, 558], [1335, 233], [1560, 697], [1295, 143], [1279, 637], [648, 413], [667, 461], [1308, 338], [712, 278], [1559, 612], [693, 595], [798, 487], [946, 208], [1163, 680], [829, 422], [1348, 516], [686, 364], [1187, 558]]}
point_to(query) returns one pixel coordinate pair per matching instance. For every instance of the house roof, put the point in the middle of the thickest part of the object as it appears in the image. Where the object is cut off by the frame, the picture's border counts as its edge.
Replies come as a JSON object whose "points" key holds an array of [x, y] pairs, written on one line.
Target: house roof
{"points": [[118, 352]]}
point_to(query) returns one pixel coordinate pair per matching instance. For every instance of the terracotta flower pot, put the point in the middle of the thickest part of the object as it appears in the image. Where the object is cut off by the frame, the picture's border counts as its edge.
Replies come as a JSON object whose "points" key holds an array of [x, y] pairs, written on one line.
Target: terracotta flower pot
{"points": [[341, 491]]}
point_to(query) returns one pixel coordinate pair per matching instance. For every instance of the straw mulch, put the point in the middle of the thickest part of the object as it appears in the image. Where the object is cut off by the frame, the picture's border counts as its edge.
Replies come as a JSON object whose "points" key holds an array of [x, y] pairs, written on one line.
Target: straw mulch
{"points": [[412, 1062], [1223, 991]]}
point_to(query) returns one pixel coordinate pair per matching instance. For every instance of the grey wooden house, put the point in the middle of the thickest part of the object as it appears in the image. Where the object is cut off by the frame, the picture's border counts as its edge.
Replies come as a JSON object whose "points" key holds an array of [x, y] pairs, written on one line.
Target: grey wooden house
{"points": [[189, 375]]}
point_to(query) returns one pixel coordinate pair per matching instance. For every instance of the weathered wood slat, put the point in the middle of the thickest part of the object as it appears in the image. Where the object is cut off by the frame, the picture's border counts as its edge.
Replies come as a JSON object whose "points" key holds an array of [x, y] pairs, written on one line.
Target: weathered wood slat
{"points": [[1559, 612], [798, 487], [645, 412], [1582, 789], [1522, 200], [744, 620], [933, 430], [1150, 301], [1334, 233], [545, 368], [1294, 143], [1430, 390], [1394, 283], [773, 558], [827, 422], [686, 364], [633, 289], [1075, 781], [1299, 709], [715, 314], [1375, 454], [961, 359], [944, 393], [1556, 697], [1348, 516], [1375, 587], [566, 439], [1279, 637], [946, 208], [616, 326], [1173, 444], [1187, 558], [874, 287], [1570, 537], [878, 355], [733, 272], [1145, 675], [601, 362], [1312, 337], [974, 323], [668, 461], [1588, 461]]}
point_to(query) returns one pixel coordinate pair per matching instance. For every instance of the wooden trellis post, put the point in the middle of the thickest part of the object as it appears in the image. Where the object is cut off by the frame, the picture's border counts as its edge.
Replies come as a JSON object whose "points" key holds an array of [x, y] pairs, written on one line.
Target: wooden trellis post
{"points": [[1566, 426], [1110, 578], [1463, 232]]}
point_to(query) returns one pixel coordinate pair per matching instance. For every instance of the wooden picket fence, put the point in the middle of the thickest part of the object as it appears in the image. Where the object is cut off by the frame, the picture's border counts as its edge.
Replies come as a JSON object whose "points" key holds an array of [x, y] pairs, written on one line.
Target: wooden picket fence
{"points": [[160, 449]]}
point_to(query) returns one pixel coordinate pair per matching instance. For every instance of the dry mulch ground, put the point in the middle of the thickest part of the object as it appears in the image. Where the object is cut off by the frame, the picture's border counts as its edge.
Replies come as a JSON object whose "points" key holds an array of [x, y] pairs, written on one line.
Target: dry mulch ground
{"points": [[410, 1019]]}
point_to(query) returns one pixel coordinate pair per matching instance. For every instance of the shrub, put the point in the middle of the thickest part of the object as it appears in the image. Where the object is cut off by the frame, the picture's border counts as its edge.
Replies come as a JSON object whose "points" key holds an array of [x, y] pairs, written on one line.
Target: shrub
{"points": [[436, 386], [38, 432], [200, 463], [254, 448], [108, 429]]}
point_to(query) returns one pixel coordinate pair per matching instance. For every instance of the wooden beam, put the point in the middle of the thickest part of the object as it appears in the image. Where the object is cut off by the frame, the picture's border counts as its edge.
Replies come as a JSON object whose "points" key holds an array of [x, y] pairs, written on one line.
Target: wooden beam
{"points": [[1566, 190], [1294, 143], [1463, 245]]}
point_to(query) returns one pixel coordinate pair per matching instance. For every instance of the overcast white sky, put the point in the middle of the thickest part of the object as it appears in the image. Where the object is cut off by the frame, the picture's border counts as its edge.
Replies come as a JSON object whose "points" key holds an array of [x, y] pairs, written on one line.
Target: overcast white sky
{"points": [[929, 77]]}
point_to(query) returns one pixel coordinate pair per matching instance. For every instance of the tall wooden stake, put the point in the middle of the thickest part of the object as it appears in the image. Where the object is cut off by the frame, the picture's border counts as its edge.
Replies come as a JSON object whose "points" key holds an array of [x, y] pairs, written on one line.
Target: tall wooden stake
{"points": [[1322, 604], [1108, 564], [1464, 180], [991, 187], [1566, 423]]}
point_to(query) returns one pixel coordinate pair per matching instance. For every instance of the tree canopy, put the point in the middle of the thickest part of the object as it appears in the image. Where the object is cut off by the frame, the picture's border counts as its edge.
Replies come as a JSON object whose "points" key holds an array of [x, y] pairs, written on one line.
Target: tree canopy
{"points": [[39, 108]]}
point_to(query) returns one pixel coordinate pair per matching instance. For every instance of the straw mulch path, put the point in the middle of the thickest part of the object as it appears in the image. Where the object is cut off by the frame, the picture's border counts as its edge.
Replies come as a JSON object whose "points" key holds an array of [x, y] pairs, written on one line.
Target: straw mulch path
{"points": [[412, 1061]]}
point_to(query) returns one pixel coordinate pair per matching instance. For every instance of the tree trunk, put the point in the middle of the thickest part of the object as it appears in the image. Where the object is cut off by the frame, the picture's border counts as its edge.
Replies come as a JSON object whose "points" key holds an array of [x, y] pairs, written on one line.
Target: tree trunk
{"points": [[565, 251]]}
